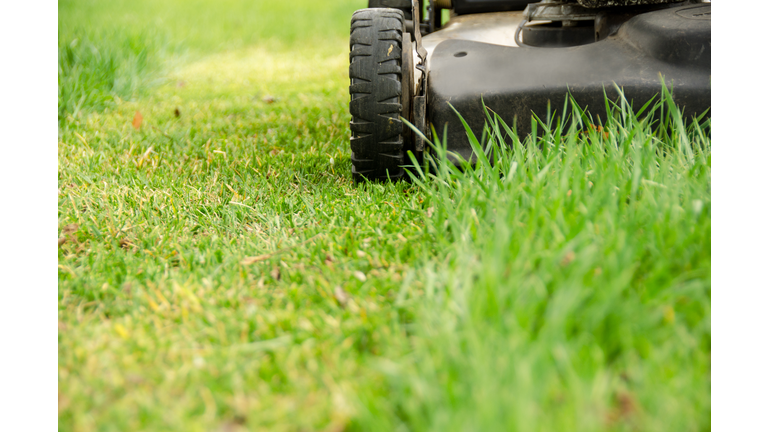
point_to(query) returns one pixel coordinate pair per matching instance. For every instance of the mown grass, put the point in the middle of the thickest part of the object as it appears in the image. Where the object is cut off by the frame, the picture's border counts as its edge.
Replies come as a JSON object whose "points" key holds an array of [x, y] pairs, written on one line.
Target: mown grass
{"points": [[570, 293]]}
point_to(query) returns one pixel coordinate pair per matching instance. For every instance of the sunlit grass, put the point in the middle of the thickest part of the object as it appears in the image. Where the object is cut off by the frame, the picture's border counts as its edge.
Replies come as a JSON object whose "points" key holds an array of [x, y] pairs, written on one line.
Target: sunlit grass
{"points": [[220, 271]]}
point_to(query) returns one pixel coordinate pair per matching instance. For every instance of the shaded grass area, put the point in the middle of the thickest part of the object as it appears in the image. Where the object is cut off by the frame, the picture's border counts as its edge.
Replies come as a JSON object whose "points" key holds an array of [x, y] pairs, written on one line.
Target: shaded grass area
{"points": [[219, 270]]}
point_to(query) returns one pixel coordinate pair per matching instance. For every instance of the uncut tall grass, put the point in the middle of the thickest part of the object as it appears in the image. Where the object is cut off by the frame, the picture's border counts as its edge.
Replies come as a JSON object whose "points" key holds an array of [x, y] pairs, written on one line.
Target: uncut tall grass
{"points": [[571, 289]]}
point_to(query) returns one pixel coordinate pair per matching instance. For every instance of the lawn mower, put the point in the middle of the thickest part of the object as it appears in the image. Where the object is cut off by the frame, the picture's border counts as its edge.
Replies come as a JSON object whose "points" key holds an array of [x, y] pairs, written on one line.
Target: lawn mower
{"points": [[517, 58]]}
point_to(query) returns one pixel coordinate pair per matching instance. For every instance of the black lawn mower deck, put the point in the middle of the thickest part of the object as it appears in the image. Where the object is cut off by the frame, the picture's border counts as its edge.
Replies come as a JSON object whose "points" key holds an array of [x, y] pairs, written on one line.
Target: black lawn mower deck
{"points": [[518, 59]]}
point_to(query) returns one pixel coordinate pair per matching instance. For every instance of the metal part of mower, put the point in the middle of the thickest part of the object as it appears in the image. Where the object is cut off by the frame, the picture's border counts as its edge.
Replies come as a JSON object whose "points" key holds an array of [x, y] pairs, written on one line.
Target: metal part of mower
{"points": [[521, 59]]}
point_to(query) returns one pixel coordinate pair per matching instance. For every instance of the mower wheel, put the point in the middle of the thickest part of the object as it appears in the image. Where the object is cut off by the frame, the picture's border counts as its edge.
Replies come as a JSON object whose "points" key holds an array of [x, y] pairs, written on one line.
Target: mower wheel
{"points": [[380, 77]]}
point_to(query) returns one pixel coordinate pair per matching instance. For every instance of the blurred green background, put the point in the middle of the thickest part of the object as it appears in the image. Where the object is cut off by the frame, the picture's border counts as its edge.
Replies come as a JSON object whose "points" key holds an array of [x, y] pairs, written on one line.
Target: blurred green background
{"points": [[116, 49]]}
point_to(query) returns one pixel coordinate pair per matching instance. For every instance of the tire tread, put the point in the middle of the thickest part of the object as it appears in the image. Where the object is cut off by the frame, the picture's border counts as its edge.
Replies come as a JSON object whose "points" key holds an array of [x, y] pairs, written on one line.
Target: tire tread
{"points": [[375, 72]]}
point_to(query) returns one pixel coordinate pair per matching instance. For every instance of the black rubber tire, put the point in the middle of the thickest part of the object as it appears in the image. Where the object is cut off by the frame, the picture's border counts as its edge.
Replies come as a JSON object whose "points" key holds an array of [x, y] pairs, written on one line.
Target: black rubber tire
{"points": [[376, 94]]}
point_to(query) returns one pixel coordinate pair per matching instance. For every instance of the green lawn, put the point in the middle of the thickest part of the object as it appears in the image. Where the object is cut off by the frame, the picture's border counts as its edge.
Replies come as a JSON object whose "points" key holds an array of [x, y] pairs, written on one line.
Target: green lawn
{"points": [[219, 271]]}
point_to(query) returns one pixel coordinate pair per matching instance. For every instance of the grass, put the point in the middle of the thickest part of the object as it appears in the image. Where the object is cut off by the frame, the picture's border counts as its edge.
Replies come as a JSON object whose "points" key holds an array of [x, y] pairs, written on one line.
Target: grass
{"points": [[572, 292], [220, 271]]}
